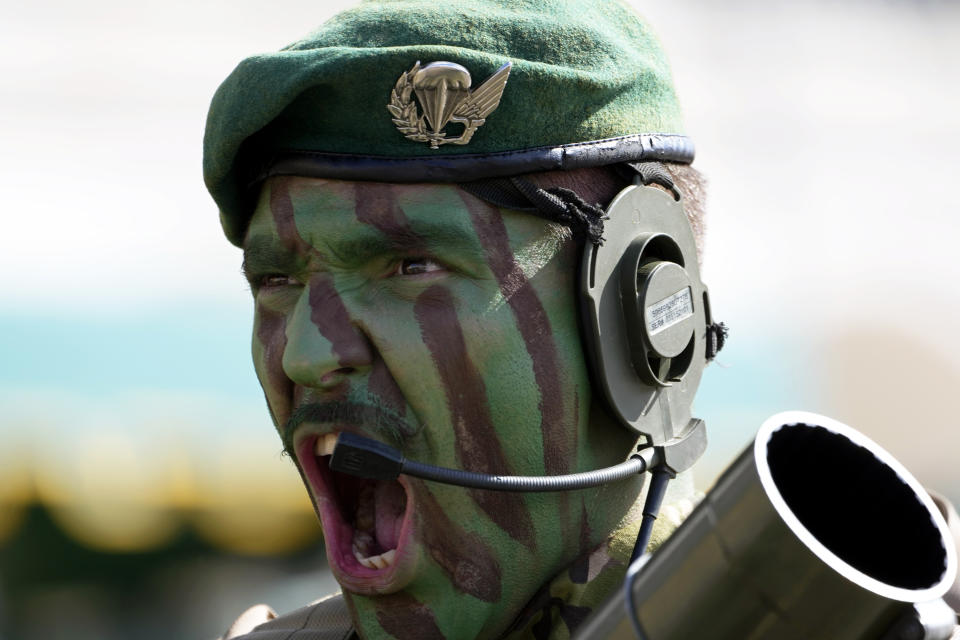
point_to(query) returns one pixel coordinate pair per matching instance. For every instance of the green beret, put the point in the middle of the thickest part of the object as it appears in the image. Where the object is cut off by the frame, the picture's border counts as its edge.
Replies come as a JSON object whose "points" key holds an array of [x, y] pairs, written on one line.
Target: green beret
{"points": [[453, 91]]}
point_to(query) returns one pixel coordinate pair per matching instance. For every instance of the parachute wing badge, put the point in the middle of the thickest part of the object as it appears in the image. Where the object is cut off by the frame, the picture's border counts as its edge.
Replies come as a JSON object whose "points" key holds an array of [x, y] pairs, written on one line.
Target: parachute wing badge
{"points": [[443, 90], [473, 110]]}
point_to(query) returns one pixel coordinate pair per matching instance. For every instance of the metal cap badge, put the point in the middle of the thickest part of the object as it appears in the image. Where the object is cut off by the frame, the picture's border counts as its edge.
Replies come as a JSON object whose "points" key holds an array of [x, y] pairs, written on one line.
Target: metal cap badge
{"points": [[443, 91]]}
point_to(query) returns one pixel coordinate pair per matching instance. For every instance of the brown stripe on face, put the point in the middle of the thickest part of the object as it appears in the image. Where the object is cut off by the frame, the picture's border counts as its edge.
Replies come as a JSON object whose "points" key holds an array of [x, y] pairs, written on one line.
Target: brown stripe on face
{"points": [[403, 616], [271, 332], [330, 316], [382, 385], [281, 207], [534, 326], [566, 533], [377, 207], [468, 561], [477, 444]]}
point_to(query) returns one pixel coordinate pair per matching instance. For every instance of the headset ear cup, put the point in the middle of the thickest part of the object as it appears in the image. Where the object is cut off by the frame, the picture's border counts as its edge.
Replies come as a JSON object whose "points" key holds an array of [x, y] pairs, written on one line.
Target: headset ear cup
{"points": [[644, 312]]}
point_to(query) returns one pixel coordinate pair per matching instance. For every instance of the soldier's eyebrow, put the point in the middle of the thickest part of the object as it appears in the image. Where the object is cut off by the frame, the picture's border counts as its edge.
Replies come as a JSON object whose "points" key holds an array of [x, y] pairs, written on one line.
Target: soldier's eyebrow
{"points": [[263, 255], [424, 237], [438, 235]]}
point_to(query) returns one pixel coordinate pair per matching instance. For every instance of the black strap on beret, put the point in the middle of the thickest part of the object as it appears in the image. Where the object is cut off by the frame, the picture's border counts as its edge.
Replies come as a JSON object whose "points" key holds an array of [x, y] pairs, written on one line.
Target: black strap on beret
{"points": [[649, 173], [562, 205], [555, 203]]}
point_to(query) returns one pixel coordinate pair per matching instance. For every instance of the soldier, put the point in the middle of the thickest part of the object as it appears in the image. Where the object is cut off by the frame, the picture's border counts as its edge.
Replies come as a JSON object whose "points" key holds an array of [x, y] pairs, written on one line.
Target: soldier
{"points": [[413, 186]]}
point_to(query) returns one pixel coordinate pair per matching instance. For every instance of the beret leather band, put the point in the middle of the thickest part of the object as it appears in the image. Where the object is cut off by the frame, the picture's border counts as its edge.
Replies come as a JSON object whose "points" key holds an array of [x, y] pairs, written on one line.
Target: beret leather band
{"points": [[468, 167]]}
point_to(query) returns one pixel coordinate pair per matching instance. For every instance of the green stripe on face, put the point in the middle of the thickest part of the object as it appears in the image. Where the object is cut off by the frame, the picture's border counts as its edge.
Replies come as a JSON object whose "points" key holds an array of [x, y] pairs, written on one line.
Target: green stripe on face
{"points": [[477, 443], [532, 321], [268, 345], [470, 564]]}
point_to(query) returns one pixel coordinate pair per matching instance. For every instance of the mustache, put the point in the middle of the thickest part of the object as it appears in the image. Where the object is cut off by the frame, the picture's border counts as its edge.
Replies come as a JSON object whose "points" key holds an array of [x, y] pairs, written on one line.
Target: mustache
{"points": [[345, 412]]}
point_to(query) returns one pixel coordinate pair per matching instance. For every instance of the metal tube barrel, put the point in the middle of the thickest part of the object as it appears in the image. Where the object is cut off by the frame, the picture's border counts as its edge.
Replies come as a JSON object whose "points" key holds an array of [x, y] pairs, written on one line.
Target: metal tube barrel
{"points": [[814, 531]]}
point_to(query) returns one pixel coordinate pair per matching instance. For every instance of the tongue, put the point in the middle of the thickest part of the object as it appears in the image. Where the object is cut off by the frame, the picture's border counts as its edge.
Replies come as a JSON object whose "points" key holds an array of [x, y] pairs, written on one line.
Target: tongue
{"points": [[391, 502]]}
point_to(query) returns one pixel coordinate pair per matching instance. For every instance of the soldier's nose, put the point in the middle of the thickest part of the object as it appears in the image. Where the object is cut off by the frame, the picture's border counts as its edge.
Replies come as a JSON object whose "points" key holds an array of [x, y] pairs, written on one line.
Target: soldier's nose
{"points": [[324, 345]]}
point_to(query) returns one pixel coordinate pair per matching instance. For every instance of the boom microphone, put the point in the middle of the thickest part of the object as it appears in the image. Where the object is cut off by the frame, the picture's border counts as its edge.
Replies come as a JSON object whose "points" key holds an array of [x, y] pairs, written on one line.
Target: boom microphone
{"points": [[366, 458]]}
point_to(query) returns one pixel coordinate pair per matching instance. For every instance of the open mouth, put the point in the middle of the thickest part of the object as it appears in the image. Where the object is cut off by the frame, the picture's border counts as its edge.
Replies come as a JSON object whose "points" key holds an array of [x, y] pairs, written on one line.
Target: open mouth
{"points": [[365, 522]]}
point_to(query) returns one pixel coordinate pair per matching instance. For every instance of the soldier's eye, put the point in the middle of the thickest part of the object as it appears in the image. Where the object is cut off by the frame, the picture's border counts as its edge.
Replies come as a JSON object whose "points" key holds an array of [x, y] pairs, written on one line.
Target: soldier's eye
{"points": [[417, 266], [275, 280]]}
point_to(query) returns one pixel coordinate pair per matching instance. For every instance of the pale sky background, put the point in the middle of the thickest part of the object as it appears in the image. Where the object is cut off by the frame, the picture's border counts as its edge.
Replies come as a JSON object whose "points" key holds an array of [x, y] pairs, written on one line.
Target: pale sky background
{"points": [[828, 131]]}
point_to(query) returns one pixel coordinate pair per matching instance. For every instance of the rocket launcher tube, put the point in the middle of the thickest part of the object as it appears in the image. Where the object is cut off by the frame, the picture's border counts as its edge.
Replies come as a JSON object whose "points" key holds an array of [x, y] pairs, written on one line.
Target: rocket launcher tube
{"points": [[813, 532]]}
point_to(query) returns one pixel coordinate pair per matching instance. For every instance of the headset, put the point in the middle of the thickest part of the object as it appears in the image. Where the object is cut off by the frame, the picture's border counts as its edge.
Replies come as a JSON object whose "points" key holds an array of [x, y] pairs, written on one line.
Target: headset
{"points": [[646, 317], [648, 334]]}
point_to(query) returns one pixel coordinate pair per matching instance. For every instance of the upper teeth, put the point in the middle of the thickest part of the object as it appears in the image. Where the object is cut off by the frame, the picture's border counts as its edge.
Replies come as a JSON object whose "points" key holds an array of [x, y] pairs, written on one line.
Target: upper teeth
{"points": [[325, 444]]}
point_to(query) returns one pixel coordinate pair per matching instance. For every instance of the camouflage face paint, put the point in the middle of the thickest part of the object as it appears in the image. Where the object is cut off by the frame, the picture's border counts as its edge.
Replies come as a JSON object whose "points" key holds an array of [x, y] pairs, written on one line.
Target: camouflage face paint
{"points": [[269, 343], [419, 316], [467, 560], [475, 440], [399, 614], [534, 326]]}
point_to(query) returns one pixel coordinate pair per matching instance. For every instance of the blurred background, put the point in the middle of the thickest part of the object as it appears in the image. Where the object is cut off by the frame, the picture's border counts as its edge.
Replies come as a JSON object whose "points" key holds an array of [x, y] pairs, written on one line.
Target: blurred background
{"points": [[142, 490]]}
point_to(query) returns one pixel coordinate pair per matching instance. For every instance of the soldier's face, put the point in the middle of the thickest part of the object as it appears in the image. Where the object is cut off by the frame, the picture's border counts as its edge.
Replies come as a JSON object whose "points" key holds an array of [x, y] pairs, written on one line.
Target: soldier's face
{"points": [[422, 317]]}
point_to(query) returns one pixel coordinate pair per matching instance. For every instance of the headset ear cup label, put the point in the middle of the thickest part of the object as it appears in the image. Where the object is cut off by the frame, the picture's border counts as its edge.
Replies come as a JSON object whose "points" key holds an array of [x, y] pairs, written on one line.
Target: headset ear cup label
{"points": [[669, 311]]}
